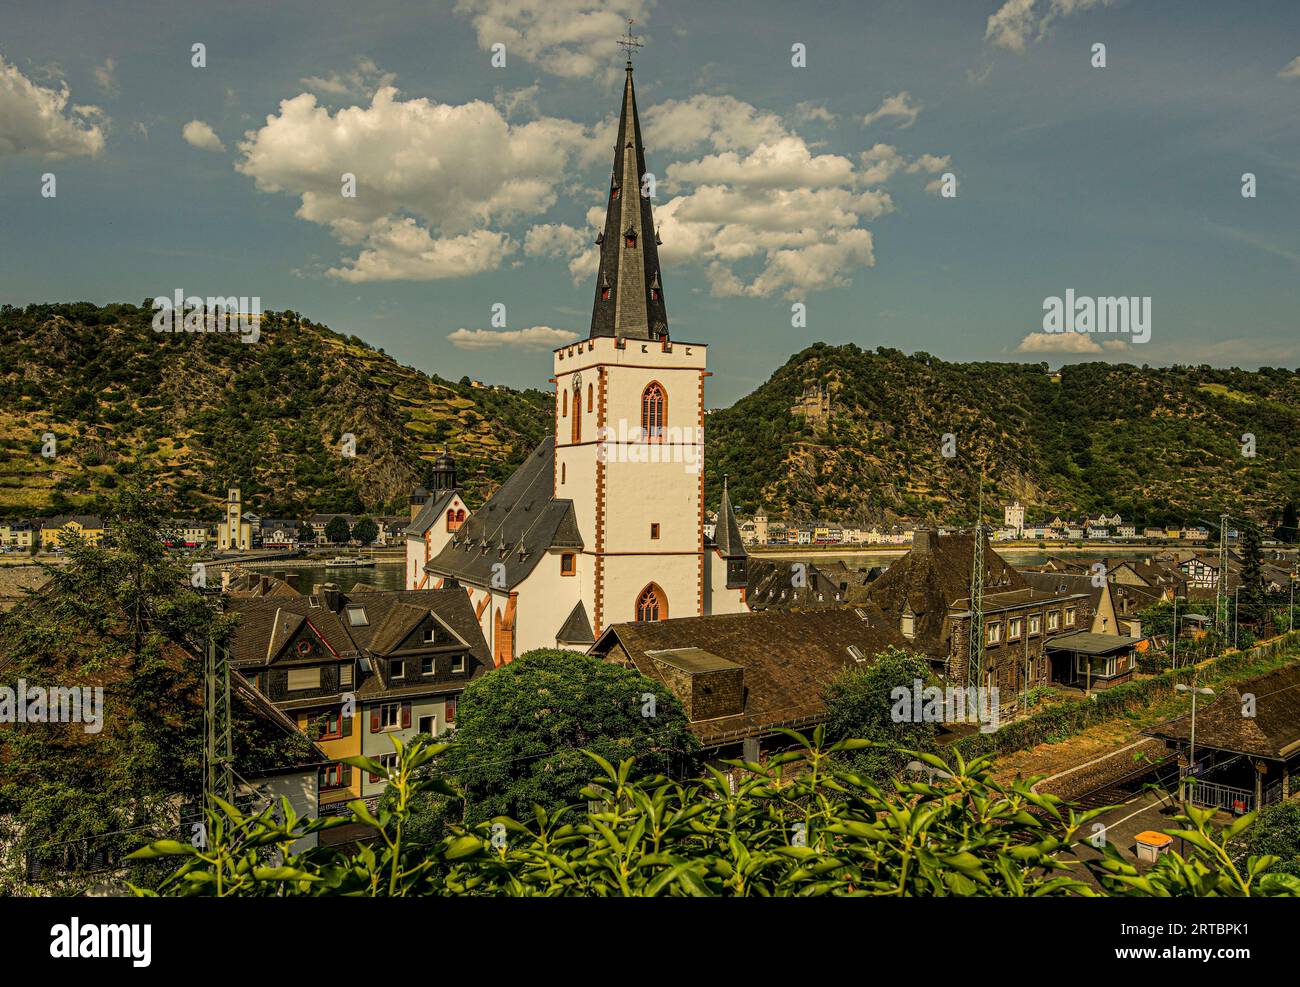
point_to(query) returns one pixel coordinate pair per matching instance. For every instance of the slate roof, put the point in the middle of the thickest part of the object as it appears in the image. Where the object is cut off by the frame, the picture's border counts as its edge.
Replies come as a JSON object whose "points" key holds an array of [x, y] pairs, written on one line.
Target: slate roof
{"points": [[516, 527], [788, 658], [576, 628], [91, 521], [433, 509], [935, 576], [266, 625], [1273, 732], [771, 586], [726, 534], [631, 273], [1088, 643]]}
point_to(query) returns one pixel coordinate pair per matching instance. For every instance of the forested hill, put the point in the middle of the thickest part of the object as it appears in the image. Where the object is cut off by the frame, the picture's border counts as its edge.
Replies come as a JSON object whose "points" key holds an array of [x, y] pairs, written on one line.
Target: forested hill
{"points": [[1153, 444], [204, 410]]}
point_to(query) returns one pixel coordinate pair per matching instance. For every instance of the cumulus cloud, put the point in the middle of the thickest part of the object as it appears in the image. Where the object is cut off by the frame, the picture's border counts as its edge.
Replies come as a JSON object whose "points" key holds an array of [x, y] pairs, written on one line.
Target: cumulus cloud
{"points": [[569, 38], [900, 106], [1291, 70], [1058, 342], [534, 338], [37, 119], [1018, 22], [201, 135], [814, 111], [435, 182], [723, 122]]}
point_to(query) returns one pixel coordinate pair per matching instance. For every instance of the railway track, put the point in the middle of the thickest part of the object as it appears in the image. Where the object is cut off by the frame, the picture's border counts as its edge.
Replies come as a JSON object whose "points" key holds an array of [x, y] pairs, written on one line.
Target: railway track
{"points": [[1120, 790]]}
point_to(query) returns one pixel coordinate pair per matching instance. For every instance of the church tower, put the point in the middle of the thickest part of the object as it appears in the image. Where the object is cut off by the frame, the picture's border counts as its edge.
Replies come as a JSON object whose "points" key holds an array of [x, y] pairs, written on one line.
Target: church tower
{"points": [[629, 418]]}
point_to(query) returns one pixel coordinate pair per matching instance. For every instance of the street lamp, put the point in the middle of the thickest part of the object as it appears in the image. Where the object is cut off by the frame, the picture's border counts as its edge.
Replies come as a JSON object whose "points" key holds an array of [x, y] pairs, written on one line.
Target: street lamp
{"points": [[1191, 753]]}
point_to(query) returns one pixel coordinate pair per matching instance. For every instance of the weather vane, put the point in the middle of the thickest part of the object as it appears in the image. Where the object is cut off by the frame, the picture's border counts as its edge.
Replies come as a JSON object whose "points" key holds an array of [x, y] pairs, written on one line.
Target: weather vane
{"points": [[628, 43]]}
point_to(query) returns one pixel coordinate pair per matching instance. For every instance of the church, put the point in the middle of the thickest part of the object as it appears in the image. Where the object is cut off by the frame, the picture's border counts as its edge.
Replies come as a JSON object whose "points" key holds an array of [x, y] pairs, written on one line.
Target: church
{"points": [[603, 523]]}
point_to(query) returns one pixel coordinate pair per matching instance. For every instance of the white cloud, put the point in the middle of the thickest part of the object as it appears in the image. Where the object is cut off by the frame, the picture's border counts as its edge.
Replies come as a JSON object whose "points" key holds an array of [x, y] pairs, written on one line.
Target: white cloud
{"points": [[930, 163], [569, 38], [513, 102], [106, 77], [1058, 342], [900, 106], [783, 163], [36, 119], [201, 135], [723, 122], [1018, 22], [363, 80], [814, 111], [1291, 70], [435, 182], [534, 338]]}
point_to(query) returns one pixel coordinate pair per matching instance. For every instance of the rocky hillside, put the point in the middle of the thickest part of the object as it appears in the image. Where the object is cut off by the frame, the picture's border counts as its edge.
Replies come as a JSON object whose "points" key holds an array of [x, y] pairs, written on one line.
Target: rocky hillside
{"points": [[1150, 443], [203, 410]]}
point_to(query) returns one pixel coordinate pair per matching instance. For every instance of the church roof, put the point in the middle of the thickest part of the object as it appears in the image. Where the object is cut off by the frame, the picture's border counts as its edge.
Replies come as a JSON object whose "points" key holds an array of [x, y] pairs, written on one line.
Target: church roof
{"points": [[515, 528], [726, 535], [629, 253], [577, 628], [428, 515]]}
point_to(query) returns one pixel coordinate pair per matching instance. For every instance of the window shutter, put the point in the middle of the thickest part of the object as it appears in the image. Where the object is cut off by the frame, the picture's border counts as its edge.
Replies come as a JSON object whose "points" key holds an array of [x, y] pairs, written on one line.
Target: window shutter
{"points": [[406, 715], [347, 775], [449, 711], [374, 719], [373, 777], [347, 726]]}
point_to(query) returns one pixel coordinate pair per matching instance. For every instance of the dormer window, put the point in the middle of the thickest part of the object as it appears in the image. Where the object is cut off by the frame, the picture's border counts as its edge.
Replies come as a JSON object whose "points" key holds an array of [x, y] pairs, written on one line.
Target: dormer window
{"points": [[907, 624], [654, 288], [604, 287], [629, 237]]}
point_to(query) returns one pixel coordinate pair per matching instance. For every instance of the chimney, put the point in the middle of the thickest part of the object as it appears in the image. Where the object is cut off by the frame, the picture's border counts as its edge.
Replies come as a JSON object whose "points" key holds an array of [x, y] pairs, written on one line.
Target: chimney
{"points": [[292, 579], [333, 598], [225, 580], [263, 584], [923, 542]]}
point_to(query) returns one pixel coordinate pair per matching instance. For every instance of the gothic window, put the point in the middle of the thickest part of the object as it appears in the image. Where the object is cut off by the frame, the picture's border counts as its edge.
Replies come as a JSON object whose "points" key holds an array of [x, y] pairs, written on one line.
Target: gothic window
{"points": [[654, 412], [577, 417], [564, 473], [565, 402], [590, 404], [651, 604]]}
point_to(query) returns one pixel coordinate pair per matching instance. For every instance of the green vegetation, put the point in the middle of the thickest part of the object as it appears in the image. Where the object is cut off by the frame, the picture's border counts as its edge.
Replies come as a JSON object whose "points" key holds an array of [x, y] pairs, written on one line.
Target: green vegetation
{"points": [[123, 618], [521, 728], [1154, 444], [797, 826], [204, 410], [859, 704]]}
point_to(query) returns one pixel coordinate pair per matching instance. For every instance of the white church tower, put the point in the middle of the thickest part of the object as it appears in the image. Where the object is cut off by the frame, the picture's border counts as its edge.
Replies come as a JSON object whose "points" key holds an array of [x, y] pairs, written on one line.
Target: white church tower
{"points": [[629, 438]]}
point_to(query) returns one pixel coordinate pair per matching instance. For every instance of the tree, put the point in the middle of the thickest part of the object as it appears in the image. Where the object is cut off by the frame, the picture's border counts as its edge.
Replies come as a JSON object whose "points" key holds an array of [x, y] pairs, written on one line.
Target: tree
{"points": [[1277, 833], [859, 704], [1252, 602], [123, 617], [365, 531], [521, 730], [1287, 532], [337, 530]]}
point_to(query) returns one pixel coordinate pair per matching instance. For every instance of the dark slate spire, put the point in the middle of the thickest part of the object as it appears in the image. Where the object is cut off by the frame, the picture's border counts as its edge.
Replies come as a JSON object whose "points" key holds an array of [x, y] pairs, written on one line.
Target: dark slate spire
{"points": [[629, 287], [726, 534]]}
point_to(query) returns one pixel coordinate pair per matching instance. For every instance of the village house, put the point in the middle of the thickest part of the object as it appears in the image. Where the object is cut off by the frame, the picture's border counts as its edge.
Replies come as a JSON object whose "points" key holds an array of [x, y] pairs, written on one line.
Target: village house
{"points": [[54, 529], [927, 593], [18, 535], [354, 670]]}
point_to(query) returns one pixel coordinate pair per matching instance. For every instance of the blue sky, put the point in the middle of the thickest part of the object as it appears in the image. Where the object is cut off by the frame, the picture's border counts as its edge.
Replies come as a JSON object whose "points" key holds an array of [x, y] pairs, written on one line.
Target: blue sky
{"points": [[776, 184]]}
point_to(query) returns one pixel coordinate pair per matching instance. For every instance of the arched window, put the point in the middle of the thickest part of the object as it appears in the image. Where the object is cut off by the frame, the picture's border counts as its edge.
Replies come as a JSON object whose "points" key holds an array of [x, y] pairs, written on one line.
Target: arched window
{"points": [[654, 412], [652, 604], [564, 472], [577, 416], [590, 403], [565, 402]]}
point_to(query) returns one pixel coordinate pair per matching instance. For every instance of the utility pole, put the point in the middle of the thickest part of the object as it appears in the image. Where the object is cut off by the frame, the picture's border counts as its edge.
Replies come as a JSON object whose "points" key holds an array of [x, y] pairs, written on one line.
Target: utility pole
{"points": [[218, 778], [1221, 590], [975, 663]]}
